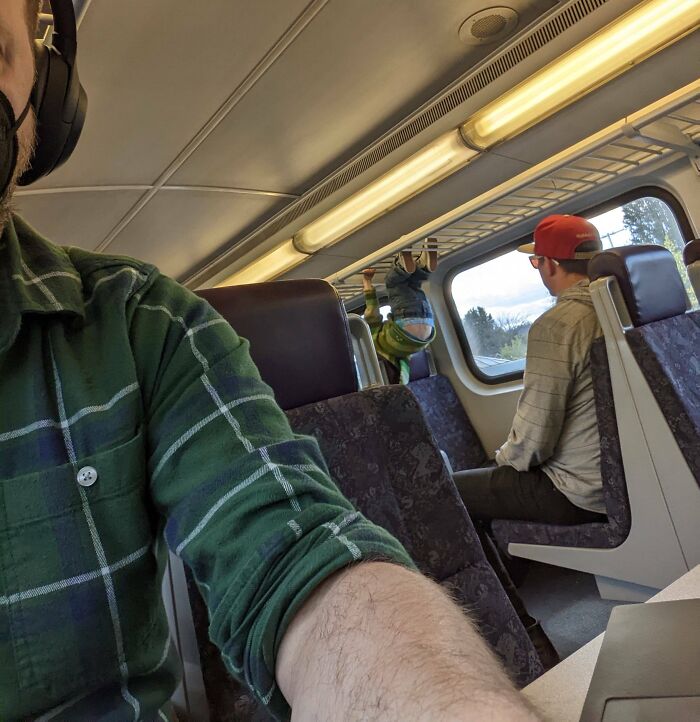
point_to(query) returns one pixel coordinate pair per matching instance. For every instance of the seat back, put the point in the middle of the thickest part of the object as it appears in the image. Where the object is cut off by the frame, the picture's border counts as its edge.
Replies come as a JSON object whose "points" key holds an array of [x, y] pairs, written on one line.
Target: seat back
{"points": [[459, 443], [421, 365], [281, 319], [445, 414], [664, 337], [368, 368], [652, 522], [599, 535], [383, 457], [668, 353], [661, 340], [691, 258]]}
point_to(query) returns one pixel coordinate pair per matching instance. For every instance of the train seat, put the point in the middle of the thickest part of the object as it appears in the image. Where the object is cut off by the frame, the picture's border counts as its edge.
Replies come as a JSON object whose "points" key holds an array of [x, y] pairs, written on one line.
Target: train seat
{"points": [[691, 258], [664, 340], [601, 535], [369, 370], [384, 458], [633, 288], [445, 414], [379, 451]]}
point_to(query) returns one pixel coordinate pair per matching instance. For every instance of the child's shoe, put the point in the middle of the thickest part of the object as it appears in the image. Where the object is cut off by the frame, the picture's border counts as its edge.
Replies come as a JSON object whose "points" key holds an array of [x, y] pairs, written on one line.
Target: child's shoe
{"points": [[428, 259], [407, 261]]}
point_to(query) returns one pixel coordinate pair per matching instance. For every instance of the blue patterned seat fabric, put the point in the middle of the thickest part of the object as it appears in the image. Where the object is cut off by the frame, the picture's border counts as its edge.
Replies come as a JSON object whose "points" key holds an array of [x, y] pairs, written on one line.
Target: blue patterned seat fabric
{"points": [[449, 422], [383, 458], [600, 535], [668, 353]]}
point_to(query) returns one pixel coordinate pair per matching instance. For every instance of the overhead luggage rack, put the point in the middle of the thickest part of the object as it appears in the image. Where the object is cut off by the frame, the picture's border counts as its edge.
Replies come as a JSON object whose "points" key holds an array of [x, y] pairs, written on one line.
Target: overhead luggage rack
{"points": [[670, 127]]}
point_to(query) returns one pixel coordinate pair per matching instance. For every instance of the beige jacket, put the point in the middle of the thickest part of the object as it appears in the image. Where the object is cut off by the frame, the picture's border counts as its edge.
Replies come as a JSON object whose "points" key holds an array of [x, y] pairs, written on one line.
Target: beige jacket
{"points": [[555, 426]]}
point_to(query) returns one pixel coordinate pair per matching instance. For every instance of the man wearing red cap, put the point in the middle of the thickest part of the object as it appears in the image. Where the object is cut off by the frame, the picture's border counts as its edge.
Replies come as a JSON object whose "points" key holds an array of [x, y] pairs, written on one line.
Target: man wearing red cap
{"points": [[133, 420], [549, 468]]}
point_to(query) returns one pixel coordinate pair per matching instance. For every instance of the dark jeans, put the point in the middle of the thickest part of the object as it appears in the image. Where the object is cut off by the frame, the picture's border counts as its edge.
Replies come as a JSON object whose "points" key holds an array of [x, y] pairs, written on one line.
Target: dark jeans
{"points": [[406, 296], [502, 492]]}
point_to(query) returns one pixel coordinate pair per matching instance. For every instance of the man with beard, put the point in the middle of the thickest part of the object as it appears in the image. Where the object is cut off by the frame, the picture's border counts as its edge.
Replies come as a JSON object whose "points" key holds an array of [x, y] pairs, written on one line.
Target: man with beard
{"points": [[132, 415]]}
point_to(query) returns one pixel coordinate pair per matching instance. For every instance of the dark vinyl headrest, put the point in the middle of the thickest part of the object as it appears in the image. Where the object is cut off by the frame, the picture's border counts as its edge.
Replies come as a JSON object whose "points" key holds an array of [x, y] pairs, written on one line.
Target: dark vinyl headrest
{"points": [[691, 252], [648, 278], [299, 337], [419, 366]]}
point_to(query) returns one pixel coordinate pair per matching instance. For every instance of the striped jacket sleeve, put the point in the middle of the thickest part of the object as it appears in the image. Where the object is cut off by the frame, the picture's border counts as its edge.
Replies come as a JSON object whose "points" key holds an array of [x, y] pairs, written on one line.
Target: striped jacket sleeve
{"points": [[550, 370], [247, 504]]}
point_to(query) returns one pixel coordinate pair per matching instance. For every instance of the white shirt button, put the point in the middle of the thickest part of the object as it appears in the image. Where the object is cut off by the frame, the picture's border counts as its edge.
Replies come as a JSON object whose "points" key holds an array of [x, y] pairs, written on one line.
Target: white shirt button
{"points": [[87, 476]]}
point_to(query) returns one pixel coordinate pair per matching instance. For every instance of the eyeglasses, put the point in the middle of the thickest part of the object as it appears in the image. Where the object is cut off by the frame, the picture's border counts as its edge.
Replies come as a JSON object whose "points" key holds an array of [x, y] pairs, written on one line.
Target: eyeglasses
{"points": [[535, 261]]}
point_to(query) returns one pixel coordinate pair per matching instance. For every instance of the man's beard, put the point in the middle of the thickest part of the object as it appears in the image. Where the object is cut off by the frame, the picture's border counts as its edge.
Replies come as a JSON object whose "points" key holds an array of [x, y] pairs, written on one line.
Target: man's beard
{"points": [[26, 145]]}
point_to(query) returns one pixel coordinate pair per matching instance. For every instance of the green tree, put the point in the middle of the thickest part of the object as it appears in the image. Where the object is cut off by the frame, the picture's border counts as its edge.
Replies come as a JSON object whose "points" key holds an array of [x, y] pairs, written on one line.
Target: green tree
{"points": [[516, 349], [650, 220], [482, 331], [678, 258], [503, 337]]}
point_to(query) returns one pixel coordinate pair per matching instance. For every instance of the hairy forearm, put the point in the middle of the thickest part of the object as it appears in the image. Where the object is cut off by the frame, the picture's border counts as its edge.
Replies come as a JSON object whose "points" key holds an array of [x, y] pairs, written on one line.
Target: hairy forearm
{"points": [[378, 642]]}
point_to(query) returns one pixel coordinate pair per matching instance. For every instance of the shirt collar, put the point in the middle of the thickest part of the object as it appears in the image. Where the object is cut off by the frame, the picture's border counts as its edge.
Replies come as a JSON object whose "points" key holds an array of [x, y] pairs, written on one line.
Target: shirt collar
{"points": [[575, 289], [35, 277]]}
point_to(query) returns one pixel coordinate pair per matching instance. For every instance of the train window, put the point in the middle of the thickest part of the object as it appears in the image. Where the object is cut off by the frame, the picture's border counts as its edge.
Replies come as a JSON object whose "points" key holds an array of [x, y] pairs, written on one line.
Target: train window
{"points": [[647, 219], [359, 309], [497, 300]]}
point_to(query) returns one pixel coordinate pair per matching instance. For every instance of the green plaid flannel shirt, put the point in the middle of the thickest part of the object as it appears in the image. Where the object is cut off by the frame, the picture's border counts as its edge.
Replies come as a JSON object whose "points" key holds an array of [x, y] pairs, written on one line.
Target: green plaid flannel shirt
{"points": [[130, 412]]}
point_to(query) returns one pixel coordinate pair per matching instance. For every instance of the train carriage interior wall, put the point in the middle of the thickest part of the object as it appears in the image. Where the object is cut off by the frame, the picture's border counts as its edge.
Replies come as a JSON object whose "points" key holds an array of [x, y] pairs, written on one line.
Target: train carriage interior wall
{"points": [[244, 148]]}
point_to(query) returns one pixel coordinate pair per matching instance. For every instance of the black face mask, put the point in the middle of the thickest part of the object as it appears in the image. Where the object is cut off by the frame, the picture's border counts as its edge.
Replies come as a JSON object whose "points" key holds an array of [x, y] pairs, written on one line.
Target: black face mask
{"points": [[9, 144]]}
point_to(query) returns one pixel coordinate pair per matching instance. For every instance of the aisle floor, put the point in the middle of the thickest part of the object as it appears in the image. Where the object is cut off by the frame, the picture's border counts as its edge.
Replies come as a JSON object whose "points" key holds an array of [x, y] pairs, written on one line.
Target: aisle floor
{"points": [[567, 604]]}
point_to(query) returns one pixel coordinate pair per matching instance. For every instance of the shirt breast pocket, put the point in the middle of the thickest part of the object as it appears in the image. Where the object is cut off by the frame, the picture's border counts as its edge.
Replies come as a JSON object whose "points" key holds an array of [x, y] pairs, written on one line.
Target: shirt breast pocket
{"points": [[79, 576]]}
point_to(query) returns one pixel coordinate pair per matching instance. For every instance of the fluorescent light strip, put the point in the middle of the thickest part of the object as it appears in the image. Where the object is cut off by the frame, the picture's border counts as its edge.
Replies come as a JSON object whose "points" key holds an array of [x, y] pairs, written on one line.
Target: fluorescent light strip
{"points": [[629, 40], [436, 161], [639, 119], [625, 42], [280, 259], [635, 36]]}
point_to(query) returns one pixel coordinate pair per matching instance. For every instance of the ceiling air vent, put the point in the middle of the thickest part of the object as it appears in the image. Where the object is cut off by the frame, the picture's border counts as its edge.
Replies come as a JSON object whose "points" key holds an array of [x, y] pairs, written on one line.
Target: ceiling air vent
{"points": [[557, 23]]}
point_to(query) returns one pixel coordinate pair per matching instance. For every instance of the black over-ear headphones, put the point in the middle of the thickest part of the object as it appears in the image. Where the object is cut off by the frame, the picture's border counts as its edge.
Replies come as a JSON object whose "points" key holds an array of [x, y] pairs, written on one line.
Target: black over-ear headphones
{"points": [[58, 98]]}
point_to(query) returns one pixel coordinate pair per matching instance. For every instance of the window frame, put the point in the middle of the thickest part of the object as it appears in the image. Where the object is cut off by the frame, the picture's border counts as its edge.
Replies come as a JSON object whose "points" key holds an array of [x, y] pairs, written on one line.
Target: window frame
{"points": [[480, 259], [646, 191], [358, 304]]}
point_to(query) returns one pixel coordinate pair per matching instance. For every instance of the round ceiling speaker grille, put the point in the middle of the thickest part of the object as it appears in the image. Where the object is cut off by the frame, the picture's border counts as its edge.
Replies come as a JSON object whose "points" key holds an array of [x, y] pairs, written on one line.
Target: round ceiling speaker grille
{"points": [[488, 26]]}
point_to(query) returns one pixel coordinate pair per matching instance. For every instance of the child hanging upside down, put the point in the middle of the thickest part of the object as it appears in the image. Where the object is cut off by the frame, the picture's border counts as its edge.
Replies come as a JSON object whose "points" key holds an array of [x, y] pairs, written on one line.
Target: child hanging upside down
{"points": [[410, 326]]}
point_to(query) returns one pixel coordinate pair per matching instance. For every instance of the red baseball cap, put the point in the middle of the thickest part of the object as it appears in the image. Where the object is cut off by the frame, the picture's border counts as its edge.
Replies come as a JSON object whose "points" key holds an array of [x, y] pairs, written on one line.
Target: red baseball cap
{"points": [[559, 237]]}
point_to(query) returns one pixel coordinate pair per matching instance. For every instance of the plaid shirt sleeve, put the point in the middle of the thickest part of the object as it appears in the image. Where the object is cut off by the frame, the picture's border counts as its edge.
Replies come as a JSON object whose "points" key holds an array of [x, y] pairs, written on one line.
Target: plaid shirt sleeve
{"points": [[249, 506]]}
